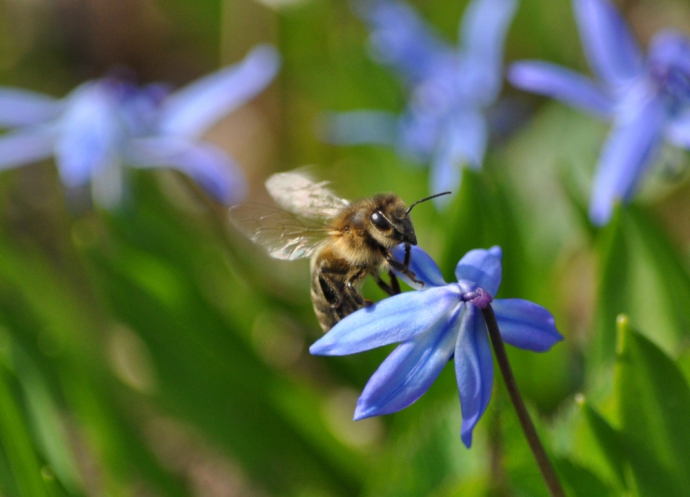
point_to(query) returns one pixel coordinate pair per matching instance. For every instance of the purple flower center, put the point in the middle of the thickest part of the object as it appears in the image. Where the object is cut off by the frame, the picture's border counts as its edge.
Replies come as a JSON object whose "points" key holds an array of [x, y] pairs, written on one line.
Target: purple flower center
{"points": [[672, 83], [478, 297]]}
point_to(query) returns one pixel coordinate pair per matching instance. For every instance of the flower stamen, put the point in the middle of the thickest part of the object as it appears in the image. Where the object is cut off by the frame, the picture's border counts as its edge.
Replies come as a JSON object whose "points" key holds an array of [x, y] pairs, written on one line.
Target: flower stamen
{"points": [[478, 297]]}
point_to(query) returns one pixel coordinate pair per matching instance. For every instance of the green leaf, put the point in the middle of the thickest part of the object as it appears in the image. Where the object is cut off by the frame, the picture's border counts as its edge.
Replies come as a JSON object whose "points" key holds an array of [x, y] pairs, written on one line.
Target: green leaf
{"points": [[523, 475], [47, 423], [581, 481], [653, 404], [614, 286], [17, 442], [643, 276], [645, 450], [53, 328], [609, 444], [672, 278], [301, 405], [208, 372], [423, 454]]}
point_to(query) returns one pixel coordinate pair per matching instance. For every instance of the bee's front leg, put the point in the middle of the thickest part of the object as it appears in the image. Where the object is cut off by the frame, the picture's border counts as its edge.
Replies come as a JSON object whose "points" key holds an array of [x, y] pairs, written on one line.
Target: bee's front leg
{"points": [[408, 254], [401, 267]]}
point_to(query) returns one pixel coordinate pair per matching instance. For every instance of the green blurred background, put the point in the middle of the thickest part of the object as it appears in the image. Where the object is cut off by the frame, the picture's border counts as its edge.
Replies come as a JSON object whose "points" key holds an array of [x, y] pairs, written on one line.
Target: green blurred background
{"points": [[153, 351]]}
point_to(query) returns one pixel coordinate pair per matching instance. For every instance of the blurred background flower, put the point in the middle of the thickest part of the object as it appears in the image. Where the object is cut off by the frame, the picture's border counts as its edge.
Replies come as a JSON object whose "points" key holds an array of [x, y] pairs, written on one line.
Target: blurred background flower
{"points": [[648, 100], [449, 88], [104, 125]]}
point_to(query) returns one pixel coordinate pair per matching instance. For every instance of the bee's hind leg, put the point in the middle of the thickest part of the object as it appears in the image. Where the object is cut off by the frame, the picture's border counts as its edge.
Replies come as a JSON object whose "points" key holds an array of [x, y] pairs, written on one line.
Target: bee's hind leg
{"points": [[337, 297], [330, 292]]}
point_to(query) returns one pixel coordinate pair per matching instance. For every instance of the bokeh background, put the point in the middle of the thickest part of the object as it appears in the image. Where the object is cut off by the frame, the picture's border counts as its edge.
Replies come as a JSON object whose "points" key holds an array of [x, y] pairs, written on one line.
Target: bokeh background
{"points": [[152, 350]]}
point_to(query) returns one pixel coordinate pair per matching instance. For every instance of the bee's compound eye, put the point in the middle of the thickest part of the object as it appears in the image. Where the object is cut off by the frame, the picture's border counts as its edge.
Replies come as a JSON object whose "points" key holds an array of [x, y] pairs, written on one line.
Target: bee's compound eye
{"points": [[379, 221]]}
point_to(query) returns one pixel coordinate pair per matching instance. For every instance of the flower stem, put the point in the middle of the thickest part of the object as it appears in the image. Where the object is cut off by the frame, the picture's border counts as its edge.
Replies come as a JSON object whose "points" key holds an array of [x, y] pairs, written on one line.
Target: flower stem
{"points": [[547, 471]]}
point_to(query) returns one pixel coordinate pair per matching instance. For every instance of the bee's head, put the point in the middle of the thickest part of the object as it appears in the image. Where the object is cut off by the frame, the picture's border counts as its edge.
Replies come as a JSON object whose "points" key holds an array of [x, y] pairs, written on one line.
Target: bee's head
{"points": [[389, 221]]}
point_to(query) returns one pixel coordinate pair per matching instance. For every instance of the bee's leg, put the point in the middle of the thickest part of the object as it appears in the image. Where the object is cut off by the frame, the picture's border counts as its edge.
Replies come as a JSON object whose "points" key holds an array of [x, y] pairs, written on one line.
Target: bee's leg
{"points": [[330, 292], [407, 255], [337, 295], [352, 292], [401, 268], [394, 283], [384, 286], [393, 288]]}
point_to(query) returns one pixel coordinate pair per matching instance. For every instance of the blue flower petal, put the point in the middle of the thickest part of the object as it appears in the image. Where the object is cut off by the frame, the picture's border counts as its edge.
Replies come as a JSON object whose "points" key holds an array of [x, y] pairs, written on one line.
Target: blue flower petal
{"points": [[526, 325], [562, 84], [482, 267], [611, 49], [89, 133], [627, 154], [205, 163], [482, 34], [26, 108], [474, 370], [671, 49], [26, 146], [401, 39], [446, 175], [395, 319], [422, 265], [195, 108], [418, 134], [409, 370], [669, 62], [678, 131], [466, 135], [463, 141], [360, 127], [108, 186]]}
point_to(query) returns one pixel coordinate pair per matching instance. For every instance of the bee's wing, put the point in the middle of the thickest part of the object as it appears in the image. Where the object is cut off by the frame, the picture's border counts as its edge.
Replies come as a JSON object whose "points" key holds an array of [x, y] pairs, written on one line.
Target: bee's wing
{"points": [[284, 235], [297, 192]]}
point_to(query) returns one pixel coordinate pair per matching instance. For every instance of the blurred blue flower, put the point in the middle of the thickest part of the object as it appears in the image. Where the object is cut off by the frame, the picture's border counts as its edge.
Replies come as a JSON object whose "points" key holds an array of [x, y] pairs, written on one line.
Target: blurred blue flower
{"points": [[103, 125], [435, 324], [449, 87], [648, 100]]}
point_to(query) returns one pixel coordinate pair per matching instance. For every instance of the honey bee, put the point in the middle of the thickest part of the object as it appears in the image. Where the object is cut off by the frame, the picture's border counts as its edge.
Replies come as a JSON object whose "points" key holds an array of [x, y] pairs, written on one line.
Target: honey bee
{"points": [[346, 240]]}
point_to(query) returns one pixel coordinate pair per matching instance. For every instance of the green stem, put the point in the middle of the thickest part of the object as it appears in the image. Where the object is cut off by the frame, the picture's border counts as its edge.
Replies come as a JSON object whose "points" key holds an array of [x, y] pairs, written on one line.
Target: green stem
{"points": [[545, 467]]}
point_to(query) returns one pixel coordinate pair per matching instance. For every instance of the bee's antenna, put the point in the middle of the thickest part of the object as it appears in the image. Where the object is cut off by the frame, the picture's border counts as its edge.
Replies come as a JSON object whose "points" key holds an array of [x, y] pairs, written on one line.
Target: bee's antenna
{"points": [[425, 199]]}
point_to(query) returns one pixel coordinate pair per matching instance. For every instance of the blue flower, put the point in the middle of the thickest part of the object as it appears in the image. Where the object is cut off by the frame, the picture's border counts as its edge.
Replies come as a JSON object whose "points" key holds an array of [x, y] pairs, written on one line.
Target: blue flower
{"points": [[449, 87], [648, 100], [439, 322], [103, 125]]}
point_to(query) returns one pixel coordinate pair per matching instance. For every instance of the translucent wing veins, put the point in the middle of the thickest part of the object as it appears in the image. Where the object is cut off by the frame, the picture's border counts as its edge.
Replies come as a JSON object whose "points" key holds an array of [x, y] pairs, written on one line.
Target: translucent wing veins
{"points": [[297, 192], [285, 235]]}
